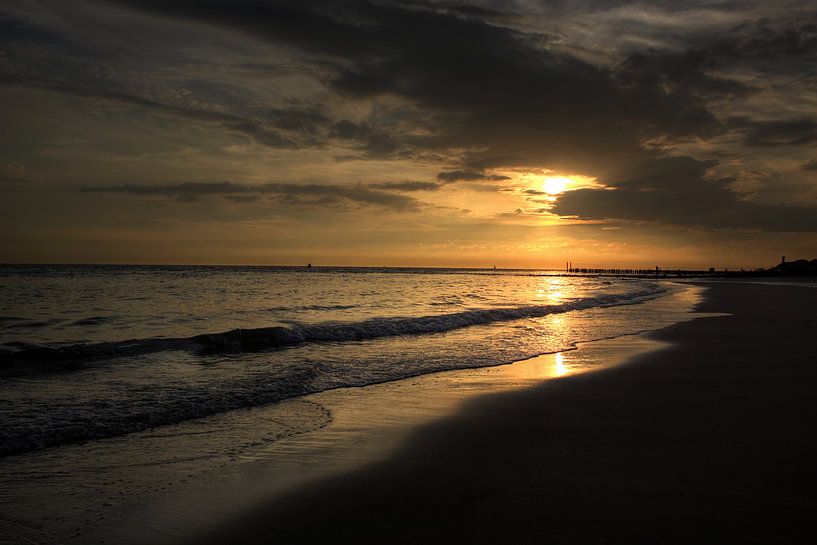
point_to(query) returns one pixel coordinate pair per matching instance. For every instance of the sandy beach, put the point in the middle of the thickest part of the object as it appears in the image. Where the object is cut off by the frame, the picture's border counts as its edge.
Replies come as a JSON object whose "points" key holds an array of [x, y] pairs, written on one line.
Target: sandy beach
{"points": [[710, 440], [158, 485], [423, 272]]}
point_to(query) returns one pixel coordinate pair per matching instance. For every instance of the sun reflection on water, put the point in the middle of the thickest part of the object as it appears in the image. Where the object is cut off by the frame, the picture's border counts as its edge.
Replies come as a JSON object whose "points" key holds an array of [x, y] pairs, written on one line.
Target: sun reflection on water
{"points": [[554, 290]]}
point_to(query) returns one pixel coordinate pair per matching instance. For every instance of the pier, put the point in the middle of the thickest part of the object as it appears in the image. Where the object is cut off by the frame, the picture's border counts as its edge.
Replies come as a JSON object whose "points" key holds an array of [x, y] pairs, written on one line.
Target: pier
{"points": [[798, 268]]}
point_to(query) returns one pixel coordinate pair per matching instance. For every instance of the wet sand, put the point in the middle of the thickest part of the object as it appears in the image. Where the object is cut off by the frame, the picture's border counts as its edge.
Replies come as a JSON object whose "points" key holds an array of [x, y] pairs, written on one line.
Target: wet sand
{"points": [[711, 440], [169, 483]]}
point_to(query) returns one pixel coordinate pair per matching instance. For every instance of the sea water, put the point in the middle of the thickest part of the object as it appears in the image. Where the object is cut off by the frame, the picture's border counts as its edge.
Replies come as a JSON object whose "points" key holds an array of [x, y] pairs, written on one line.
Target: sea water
{"points": [[125, 388], [91, 352]]}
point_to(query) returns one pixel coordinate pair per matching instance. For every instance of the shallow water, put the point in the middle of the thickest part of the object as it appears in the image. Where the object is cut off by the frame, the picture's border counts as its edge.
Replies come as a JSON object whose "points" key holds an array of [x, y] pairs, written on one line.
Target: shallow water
{"points": [[302, 332]]}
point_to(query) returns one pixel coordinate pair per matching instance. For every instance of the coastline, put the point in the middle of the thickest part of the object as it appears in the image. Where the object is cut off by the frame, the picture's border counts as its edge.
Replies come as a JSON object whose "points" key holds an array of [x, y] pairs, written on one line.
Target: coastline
{"points": [[159, 486], [708, 440], [367, 425]]}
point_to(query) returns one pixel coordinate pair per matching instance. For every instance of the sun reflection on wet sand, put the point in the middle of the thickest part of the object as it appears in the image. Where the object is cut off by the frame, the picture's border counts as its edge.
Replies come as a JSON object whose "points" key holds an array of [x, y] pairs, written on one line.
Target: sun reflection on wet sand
{"points": [[571, 362], [561, 369]]}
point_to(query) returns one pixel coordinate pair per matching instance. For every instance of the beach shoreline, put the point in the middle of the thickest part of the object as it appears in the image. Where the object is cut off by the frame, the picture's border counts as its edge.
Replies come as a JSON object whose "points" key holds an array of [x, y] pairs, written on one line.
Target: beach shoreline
{"points": [[708, 440], [549, 449], [366, 426], [158, 486]]}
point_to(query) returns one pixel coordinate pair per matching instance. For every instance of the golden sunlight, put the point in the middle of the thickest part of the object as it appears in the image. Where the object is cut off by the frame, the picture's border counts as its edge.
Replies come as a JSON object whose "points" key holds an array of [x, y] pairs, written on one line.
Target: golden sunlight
{"points": [[554, 185], [560, 367]]}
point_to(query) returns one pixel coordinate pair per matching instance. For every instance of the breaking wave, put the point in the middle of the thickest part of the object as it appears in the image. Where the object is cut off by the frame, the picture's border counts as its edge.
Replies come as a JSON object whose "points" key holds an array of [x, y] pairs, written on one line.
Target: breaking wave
{"points": [[20, 359]]}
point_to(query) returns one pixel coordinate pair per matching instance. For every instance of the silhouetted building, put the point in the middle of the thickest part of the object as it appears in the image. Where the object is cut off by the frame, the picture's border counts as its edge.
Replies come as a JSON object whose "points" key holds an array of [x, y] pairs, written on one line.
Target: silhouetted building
{"points": [[797, 267]]}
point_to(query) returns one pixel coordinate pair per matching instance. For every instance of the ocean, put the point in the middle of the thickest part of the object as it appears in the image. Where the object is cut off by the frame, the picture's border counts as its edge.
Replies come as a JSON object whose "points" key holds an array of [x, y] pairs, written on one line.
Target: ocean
{"points": [[92, 352]]}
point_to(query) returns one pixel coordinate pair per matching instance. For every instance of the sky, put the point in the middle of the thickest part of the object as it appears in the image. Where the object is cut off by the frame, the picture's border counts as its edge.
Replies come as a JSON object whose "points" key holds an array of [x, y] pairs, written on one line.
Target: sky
{"points": [[421, 133]]}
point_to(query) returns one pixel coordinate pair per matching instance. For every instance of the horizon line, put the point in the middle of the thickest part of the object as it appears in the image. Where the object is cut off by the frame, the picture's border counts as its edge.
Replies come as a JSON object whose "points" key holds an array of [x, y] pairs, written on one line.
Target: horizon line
{"points": [[487, 267]]}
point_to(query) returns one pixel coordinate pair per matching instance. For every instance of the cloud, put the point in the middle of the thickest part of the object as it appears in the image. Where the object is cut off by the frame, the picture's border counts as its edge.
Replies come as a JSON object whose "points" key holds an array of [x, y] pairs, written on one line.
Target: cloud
{"points": [[792, 132], [374, 142], [524, 213], [255, 130], [261, 135], [13, 172], [408, 185], [487, 86], [480, 89], [467, 176], [288, 193], [679, 192]]}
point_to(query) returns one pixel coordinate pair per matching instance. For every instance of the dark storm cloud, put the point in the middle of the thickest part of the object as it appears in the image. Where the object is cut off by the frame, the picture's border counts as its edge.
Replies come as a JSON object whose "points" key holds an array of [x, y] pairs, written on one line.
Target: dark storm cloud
{"points": [[14, 173], [484, 79], [43, 58], [498, 77], [739, 64], [714, 208], [261, 134], [680, 193], [288, 193], [187, 189], [408, 185], [687, 74], [13, 29], [499, 96], [467, 176], [355, 28], [310, 121], [523, 212], [776, 133], [767, 41], [80, 73], [693, 70], [249, 128], [372, 141]]}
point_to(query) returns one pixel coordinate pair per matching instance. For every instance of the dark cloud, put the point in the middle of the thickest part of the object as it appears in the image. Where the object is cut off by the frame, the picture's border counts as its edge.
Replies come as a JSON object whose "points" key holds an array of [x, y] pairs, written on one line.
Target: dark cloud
{"points": [[468, 176], [16, 30], [253, 129], [373, 142], [408, 185], [194, 189], [14, 173], [289, 193], [490, 86], [703, 69], [524, 212], [679, 192], [775, 133], [765, 40], [261, 134], [718, 209], [45, 60], [310, 121], [495, 91], [242, 199], [478, 88], [687, 75], [494, 86]]}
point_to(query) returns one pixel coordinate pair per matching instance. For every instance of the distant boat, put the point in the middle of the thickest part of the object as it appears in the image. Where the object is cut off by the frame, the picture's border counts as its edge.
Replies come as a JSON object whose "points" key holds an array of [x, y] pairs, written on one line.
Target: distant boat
{"points": [[309, 265]]}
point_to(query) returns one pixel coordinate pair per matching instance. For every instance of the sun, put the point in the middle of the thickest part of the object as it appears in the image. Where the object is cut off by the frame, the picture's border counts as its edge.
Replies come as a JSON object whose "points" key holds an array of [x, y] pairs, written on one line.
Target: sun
{"points": [[554, 185]]}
